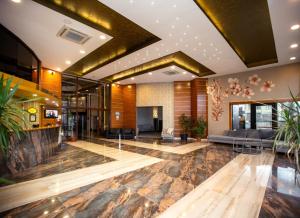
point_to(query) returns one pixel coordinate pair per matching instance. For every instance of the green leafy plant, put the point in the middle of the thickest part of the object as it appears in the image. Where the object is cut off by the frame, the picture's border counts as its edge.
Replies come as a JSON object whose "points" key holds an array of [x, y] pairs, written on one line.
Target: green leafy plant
{"points": [[185, 123], [199, 127], [288, 134], [11, 115]]}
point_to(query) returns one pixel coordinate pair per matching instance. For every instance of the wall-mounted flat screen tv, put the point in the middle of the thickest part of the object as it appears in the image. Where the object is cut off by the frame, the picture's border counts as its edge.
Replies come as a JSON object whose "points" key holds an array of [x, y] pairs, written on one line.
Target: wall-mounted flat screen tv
{"points": [[51, 113]]}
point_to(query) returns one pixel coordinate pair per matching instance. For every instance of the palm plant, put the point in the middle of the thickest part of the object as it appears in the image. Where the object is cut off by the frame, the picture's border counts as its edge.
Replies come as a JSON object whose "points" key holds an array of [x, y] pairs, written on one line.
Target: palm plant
{"points": [[11, 115], [288, 134]]}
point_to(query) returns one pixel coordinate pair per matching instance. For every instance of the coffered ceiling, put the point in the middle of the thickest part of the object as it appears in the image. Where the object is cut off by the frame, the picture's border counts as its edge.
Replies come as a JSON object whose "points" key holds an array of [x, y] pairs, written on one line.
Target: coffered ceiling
{"points": [[138, 33]]}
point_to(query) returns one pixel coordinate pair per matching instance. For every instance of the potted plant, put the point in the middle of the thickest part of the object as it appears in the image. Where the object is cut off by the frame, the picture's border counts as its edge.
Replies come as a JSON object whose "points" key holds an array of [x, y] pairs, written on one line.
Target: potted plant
{"points": [[199, 128], [185, 123], [11, 117], [288, 134]]}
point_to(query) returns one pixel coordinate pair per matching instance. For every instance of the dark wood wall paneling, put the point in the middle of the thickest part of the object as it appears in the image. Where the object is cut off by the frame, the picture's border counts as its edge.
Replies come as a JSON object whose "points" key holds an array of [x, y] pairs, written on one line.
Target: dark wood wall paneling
{"points": [[129, 102], [116, 106], [182, 102], [199, 99], [123, 100]]}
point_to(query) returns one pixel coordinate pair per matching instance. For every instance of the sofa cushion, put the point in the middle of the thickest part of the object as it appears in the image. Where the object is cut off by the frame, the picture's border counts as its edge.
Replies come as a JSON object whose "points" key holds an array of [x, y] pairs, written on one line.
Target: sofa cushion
{"points": [[267, 133], [127, 131], [241, 133], [114, 131], [253, 133]]}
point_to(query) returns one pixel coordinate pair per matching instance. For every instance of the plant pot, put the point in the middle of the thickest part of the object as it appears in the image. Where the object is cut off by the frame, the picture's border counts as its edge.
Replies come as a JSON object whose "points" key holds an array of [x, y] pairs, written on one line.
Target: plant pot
{"points": [[184, 137]]}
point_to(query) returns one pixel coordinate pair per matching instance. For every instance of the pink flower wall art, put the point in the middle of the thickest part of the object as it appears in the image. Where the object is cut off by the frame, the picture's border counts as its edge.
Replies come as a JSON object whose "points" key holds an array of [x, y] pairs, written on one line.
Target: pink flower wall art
{"points": [[254, 79], [234, 86], [248, 92], [215, 91], [267, 86]]}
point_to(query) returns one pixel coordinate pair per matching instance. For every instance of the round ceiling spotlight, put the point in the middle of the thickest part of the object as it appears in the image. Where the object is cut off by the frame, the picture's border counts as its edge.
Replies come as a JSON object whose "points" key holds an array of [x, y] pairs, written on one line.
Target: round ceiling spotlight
{"points": [[295, 27], [294, 45]]}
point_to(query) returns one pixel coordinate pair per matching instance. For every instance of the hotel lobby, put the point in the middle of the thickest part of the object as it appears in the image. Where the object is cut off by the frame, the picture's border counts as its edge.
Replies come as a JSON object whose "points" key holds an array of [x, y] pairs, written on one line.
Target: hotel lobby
{"points": [[149, 108]]}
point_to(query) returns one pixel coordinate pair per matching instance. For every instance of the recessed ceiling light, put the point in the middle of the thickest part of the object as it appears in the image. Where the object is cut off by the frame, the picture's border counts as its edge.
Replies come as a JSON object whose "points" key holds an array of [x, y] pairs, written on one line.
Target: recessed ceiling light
{"points": [[58, 69], [186, 45], [184, 72], [132, 78], [157, 21], [294, 45], [196, 37], [16, 1], [184, 33], [172, 67], [170, 35], [292, 58], [177, 18], [295, 27], [82, 51], [150, 73], [102, 37], [193, 76], [173, 26], [34, 95], [68, 62], [152, 3], [187, 26], [131, 1], [199, 43], [174, 6]]}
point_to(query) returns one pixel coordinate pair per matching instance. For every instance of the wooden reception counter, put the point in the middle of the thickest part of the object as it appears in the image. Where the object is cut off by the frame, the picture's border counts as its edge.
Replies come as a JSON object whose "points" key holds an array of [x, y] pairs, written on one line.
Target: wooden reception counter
{"points": [[35, 147]]}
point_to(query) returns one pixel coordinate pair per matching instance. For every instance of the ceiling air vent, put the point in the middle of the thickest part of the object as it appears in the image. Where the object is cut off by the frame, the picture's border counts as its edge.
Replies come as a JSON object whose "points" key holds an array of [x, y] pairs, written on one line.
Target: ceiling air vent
{"points": [[72, 35], [171, 73]]}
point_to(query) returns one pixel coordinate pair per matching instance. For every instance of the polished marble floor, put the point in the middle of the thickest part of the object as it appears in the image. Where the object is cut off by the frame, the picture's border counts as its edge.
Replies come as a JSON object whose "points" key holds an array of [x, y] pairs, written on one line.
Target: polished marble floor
{"points": [[67, 158], [146, 180]]}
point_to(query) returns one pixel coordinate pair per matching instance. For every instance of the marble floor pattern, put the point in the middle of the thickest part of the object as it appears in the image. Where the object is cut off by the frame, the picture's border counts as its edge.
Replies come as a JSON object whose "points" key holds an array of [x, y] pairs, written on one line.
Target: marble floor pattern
{"points": [[26, 192], [67, 158], [145, 192], [282, 197], [237, 190], [211, 181], [183, 149]]}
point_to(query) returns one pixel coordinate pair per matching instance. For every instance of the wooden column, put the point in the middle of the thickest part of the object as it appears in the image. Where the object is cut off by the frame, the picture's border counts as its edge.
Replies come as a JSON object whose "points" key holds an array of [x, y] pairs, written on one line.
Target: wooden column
{"points": [[199, 99], [182, 102]]}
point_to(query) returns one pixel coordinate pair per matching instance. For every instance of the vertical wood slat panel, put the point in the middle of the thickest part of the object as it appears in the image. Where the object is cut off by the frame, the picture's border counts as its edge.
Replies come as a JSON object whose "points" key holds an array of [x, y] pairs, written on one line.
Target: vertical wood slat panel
{"points": [[123, 100], [129, 104], [199, 99], [116, 106], [182, 103]]}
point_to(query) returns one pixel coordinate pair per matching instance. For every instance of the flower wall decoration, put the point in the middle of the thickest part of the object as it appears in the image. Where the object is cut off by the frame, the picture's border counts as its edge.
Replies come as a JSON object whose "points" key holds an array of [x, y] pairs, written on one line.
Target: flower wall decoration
{"points": [[267, 86], [248, 92], [254, 79], [234, 86], [217, 93], [215, 90]]}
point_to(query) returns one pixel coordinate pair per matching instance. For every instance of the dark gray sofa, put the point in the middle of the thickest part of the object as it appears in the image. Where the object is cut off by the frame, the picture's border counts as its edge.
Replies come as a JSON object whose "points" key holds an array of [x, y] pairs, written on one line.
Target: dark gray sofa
{"points": [[255, 137]]}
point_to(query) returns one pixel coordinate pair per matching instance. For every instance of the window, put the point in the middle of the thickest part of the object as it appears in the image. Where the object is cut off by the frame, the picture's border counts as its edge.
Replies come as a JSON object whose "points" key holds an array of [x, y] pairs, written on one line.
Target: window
{"points": [[241, 116]]}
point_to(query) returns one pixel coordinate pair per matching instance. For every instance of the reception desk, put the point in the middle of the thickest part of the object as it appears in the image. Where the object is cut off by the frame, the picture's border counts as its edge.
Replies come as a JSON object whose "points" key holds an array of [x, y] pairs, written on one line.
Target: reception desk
{"points": [[35, 147]]}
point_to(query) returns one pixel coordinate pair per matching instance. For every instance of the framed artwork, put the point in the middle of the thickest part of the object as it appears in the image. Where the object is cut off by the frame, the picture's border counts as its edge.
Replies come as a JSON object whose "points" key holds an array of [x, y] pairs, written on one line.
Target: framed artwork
{"points": [[32, 117]]}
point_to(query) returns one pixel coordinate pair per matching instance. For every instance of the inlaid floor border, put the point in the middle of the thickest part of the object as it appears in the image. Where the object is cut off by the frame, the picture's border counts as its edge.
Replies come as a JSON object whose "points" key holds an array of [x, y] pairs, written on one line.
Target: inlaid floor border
{"points": [[182, 149]]}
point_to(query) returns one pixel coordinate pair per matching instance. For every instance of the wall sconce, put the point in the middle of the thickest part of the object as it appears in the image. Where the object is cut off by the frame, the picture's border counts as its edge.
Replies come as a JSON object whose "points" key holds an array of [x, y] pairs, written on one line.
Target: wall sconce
{"points": [[155, 112], [51, 72]]}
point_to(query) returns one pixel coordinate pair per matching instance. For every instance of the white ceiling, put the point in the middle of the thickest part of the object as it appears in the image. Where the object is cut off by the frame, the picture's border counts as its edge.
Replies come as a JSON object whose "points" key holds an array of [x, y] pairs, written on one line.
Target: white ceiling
{"points": [[159, 76], [183, 26], [37, 26]]}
